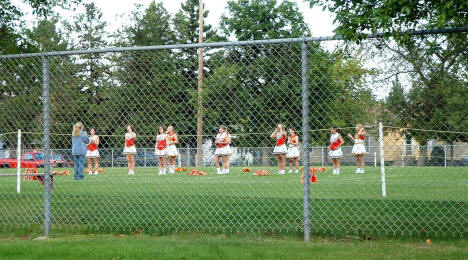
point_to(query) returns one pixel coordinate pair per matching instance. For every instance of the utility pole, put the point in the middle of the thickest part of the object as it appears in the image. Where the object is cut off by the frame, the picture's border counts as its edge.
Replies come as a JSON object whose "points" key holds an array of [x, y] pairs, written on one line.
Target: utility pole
{"points": [[200, 90]]}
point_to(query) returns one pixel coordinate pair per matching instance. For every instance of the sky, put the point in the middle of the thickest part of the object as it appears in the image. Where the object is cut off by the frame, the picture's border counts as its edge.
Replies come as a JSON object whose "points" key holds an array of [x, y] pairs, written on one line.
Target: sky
{"points": [[320, 22]]}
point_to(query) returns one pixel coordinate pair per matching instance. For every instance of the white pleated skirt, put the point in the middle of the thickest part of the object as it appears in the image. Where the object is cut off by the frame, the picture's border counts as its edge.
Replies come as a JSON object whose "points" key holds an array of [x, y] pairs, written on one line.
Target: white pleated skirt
{"points": [[171, 150], [226, 150], [130, 150], [160, 153], [359, 149], [92, 154], [293, 152], [280, 149], [337, 153]]}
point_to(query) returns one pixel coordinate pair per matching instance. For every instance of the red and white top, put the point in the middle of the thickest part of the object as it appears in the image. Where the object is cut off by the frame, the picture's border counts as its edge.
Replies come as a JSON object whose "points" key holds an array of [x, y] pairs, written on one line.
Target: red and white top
{"points": [[334, 141], [172, 137], [93, 146], [280, 139], [359, 139], [161, 143], [292, 141], [220, 138], [129, 140]]}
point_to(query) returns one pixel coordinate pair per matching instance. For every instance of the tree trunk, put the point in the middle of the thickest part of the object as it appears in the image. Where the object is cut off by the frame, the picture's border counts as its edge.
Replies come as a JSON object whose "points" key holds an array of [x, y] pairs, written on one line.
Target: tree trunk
{"points": [[422, 154]]}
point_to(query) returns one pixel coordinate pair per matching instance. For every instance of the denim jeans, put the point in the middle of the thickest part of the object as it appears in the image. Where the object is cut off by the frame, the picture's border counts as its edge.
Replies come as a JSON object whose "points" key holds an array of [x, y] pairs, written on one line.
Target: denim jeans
{"points": [[79, 166]]}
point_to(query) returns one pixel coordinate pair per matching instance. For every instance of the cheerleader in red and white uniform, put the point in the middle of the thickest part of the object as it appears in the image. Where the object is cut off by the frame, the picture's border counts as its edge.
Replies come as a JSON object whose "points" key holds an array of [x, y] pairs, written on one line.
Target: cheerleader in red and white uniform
{"points": [[172, 152], [293, 150], [130, 149], [223, 150], [93, 153], [160, 150], [359, 149], [280, 148], [335, 153]]}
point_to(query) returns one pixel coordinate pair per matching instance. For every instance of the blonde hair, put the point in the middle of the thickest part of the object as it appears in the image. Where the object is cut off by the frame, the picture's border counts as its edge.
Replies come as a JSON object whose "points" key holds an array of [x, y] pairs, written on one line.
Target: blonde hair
{"points": [[359, 126], [77, 129]]}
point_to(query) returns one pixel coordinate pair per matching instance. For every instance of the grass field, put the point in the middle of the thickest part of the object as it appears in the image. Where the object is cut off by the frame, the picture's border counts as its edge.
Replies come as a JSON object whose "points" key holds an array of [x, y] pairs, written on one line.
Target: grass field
{"points": [[203, 246], [420, 202]]}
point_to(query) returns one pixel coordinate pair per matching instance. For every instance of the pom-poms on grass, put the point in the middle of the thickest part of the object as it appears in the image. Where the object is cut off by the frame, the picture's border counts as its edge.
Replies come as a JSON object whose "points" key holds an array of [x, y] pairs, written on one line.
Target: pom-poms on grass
{"points": [[195, 172], [64, 172], [180, 169], [262, 173], [313, 171], [246, 169]]}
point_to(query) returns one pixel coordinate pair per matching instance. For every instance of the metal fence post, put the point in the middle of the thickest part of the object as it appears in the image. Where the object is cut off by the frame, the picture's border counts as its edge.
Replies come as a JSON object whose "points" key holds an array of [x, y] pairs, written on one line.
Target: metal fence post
{"points": [[46, 142], [382, 160], [18, 162], [305, 137]]}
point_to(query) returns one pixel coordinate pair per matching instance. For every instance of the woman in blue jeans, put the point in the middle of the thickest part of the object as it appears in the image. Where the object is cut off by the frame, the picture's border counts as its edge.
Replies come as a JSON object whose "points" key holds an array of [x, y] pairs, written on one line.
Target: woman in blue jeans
{"points": [[80, 141]]}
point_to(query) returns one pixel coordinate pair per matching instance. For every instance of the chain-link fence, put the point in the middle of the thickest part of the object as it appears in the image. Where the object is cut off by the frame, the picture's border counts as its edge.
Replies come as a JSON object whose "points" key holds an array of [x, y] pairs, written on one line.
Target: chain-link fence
{"points": [[413, 109]]}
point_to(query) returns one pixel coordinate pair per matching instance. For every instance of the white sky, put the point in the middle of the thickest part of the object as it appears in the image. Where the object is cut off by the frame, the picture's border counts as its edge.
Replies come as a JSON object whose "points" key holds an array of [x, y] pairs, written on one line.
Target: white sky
{"points": [[320, 22]]}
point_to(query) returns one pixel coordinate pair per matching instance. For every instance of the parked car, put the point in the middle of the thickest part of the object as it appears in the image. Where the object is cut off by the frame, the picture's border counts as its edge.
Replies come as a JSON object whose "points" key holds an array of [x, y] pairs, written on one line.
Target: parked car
{"points": [[28, 160], [61, 161]]}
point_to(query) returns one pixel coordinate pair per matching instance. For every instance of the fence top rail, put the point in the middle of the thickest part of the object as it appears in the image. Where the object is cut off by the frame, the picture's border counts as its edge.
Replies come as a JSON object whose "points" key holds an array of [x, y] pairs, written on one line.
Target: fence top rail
{"points": [[228, 44]]}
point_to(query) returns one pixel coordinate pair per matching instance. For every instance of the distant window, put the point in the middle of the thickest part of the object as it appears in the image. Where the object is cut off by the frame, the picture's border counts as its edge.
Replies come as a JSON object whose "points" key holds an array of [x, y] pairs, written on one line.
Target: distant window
{"points": [[408, 147]]}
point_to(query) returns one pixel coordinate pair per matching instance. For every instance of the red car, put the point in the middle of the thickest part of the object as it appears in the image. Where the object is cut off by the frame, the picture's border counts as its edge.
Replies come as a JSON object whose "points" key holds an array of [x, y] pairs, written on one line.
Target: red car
{"points": [[28, 160]]}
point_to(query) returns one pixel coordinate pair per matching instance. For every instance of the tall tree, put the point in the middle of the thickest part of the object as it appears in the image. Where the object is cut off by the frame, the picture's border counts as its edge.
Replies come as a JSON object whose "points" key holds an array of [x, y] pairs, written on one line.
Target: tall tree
{"points": [[91, 33]]}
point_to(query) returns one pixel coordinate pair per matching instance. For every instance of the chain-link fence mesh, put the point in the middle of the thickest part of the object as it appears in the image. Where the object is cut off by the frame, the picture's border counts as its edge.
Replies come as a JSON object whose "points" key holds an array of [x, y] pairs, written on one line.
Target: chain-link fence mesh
{"points": [[250, 88]]}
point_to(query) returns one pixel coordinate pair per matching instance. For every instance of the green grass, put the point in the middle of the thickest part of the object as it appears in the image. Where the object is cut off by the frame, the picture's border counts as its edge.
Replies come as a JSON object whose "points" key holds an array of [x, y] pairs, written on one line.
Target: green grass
{"points": [[203, 246], [420, 202]]}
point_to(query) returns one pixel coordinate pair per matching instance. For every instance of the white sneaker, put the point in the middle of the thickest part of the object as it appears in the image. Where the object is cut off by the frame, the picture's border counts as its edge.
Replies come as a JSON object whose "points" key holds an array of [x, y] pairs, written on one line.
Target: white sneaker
{"points": [[338, 171], [358, 170], [281, 172], [362, 170], [218, 171], [290, 171], [297, 171], [226, 171], [96, 173], [90, 173]]}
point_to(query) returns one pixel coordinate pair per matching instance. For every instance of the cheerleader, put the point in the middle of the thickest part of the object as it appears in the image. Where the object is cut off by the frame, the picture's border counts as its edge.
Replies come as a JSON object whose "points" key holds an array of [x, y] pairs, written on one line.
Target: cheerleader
{"points": [[160, 150], [293, 150], [280, 148], [358, 148], [223, 150], [92, 154], [130, 150], [172, 152], [335, 152]]}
